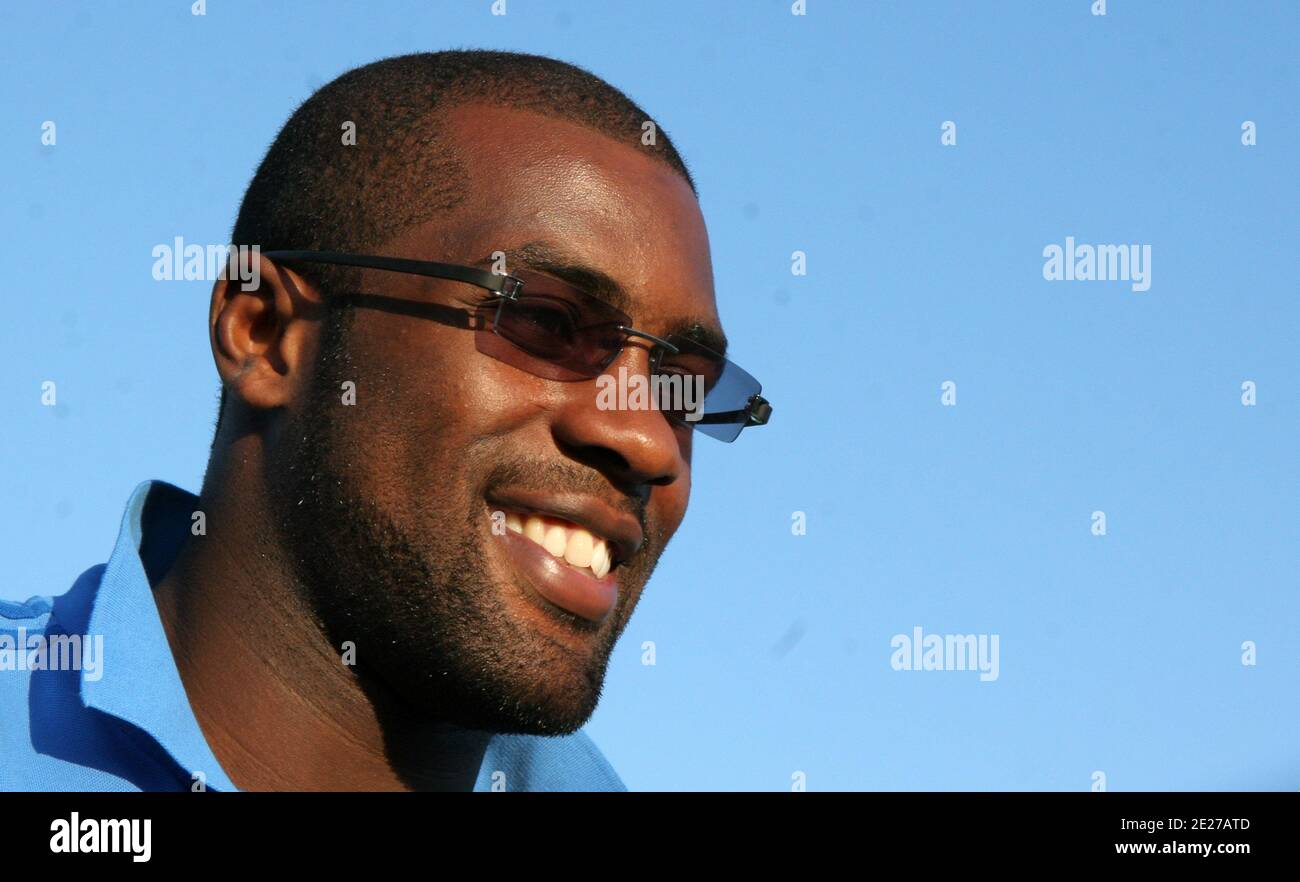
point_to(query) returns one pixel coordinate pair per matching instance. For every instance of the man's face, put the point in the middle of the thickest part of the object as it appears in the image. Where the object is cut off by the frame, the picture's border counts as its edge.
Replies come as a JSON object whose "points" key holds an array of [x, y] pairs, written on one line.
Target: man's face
{"points": [[387, 505]]}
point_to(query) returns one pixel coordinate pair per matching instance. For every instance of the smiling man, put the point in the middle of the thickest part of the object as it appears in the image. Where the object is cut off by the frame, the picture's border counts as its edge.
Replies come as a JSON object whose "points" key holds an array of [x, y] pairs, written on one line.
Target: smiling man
{"points": [[419, 538]]}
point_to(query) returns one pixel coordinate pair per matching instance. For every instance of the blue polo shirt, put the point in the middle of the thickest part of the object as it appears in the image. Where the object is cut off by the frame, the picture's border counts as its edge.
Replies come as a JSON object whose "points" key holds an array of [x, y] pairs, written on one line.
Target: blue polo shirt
{"points": [[96, 702]]}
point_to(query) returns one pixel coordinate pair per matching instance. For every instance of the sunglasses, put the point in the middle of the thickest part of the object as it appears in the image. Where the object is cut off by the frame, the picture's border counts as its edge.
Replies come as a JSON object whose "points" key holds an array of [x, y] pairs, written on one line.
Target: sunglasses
{"points": [[554, 330]]}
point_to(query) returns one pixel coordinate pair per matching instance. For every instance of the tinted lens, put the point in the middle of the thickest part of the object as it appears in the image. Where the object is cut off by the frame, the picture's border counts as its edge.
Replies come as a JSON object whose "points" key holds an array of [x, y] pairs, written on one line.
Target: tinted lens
{"points": [[727, 389], [552, 330], [559, 332]]}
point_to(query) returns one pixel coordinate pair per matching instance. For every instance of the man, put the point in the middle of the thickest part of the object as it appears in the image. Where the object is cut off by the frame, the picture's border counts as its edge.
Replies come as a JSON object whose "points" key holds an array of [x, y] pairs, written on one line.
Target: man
{"points": [[421, 532]]}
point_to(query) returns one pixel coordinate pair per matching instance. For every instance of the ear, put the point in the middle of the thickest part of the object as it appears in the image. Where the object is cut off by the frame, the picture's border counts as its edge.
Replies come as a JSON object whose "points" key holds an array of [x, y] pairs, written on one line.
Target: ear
{"points": [[264, 339]]}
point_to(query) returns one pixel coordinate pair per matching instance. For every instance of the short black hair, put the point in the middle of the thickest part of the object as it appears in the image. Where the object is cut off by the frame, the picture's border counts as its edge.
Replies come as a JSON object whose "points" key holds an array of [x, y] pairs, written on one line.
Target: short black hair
{"points": [[314, 192]]}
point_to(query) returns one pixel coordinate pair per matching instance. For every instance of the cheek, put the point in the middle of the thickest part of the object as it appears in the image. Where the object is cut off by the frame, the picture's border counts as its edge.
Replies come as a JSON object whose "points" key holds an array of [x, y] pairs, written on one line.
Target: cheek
{"points": [[669, 503], [427, 397]]}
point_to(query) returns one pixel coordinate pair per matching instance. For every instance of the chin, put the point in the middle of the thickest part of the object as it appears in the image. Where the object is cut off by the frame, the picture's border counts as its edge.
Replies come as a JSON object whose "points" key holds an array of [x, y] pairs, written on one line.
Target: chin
{"points": [[547, 710], [531, 717], [556, 696]]}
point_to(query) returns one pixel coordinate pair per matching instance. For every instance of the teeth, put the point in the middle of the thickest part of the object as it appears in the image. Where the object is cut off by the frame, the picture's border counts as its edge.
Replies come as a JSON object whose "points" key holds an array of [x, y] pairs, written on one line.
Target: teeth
{"points": [[556, 540], [573, 544], [534, 529], [580, 547], [600, 560]]}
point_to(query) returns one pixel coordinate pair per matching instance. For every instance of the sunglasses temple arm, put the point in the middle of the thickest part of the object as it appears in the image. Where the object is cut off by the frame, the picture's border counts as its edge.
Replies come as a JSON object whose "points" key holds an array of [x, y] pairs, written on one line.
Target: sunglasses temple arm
{"points": [[756, 413]]}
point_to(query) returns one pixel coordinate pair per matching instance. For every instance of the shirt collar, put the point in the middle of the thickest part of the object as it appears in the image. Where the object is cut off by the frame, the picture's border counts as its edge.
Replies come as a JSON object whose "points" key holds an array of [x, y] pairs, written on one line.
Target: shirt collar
{"points": [[140, 682]]}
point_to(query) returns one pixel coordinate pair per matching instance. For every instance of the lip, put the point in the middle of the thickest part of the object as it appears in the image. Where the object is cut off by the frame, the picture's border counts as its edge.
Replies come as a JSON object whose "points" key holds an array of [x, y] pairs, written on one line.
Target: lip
{"points": [[566, 587]]}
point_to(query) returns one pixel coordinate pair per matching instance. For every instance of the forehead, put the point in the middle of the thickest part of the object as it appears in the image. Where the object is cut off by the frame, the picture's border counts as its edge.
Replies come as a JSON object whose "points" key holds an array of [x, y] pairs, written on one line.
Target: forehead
{"points": [[620, 211]]}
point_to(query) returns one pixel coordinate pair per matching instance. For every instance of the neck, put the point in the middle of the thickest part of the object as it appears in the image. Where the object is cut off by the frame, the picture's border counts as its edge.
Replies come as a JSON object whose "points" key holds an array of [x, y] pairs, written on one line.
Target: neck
{"points": [[277, 704]]}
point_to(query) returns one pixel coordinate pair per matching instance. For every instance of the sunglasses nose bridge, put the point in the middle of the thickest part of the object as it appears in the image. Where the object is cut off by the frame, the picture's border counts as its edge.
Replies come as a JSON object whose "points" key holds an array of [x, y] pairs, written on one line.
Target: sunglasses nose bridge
{"points": [[658, 345], [612, 355], [655, 347]]}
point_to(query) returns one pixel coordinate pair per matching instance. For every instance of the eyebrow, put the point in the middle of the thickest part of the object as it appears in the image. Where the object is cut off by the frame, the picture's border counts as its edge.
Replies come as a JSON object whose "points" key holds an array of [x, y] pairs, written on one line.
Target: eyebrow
{"points": [[704, 334], [553, 259]]}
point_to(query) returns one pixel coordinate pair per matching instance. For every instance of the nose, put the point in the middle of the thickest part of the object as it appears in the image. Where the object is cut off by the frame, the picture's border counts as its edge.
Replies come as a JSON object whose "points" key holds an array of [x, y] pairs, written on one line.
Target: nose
{"points": [[634, 448]]}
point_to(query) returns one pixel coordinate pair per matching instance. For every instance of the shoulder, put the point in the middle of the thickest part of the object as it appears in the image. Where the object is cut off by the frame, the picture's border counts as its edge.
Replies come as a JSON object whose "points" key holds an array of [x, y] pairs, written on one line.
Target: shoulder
{"points": [[44, 729], [62, 613], [26, 624], [31, 613], [546, 763]]}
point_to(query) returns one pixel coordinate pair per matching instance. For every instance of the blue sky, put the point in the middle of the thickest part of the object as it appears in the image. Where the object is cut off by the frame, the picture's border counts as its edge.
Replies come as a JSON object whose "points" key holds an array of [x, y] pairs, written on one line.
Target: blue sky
{"points": [[1119, 653]]}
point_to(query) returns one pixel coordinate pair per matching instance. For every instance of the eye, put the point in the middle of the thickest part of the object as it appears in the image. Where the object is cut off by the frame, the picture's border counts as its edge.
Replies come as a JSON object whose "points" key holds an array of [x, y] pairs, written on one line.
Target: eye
{"points": [[550, 316]]}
